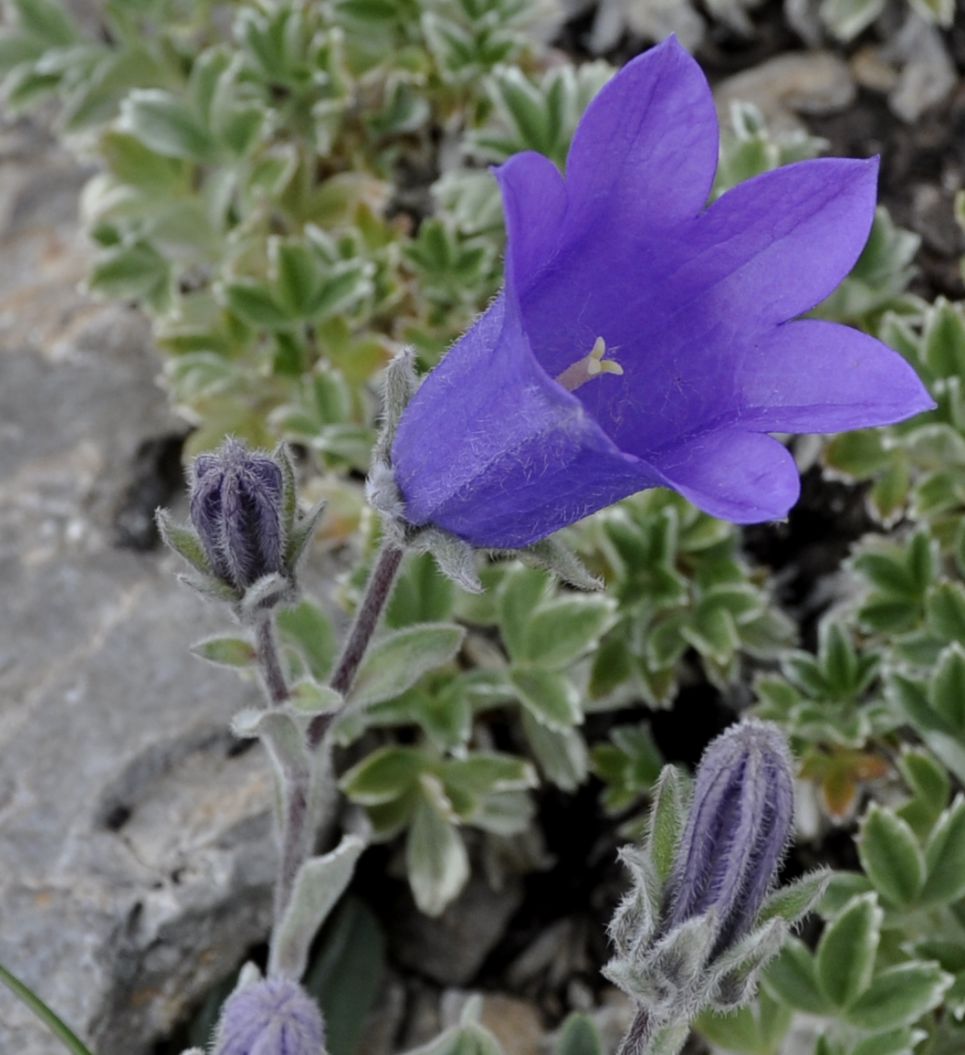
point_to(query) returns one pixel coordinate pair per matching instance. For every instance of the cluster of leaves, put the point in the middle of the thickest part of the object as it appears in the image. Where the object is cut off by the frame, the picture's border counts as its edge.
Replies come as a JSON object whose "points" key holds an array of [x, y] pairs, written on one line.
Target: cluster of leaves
{"points": [[293, 189]]}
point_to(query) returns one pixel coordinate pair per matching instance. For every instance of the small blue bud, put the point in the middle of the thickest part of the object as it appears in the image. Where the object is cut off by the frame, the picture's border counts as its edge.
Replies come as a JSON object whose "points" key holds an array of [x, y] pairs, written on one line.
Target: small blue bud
{"points": [[270, 1017], [738, 829], [236, 509]]}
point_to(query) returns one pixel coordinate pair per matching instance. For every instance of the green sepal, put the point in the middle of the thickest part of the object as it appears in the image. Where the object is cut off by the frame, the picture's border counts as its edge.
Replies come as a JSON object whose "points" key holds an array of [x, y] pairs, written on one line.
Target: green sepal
{"points": [[795, 900], [553, 555], [289, 493], [264, 594], [735, 972], [668, 815], [209, 586], [296, 543], [183, 540]]}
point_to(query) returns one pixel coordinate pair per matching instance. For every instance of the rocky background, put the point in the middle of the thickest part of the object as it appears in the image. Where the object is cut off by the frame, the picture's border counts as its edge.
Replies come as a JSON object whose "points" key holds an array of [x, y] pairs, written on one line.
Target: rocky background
{"points": [[134, 833]]}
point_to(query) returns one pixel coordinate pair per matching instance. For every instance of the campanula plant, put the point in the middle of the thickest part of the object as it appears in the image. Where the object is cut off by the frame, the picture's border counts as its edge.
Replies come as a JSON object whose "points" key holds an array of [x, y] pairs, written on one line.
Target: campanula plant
{"points": [[643, 339], [701, 922]]}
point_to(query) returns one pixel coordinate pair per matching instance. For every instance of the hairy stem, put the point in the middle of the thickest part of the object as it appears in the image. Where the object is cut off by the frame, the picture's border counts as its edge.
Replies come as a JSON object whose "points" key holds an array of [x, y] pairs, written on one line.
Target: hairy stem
{"points": [[297, 828], [639, 1034], [297, 837], [269, 662], [377, 593]]}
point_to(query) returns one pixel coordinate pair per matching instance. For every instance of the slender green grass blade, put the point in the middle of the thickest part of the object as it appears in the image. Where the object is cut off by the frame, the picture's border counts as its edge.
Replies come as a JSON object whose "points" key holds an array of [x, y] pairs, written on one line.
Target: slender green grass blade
{"points": [[57, 1026]]}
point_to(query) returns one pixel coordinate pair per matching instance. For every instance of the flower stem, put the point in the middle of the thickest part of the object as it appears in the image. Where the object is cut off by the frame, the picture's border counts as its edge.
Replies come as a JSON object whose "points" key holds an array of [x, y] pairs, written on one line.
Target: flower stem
{"points": [[269, 662], [639, 1034], [377, 593], [294, 780]]}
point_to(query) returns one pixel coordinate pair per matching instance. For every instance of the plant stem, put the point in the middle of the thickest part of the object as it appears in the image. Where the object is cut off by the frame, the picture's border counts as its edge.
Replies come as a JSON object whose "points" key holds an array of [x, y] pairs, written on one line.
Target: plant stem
{"points": [[639, 1034], [302, 802], [377, 593], [297, 828], [266, 649], [53, 1022]]}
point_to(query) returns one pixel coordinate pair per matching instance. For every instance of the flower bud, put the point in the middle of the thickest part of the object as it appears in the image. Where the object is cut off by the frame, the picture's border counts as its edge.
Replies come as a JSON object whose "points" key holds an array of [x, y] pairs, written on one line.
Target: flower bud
{"points": [[738, 828], [270, 1017], [236, 509]]}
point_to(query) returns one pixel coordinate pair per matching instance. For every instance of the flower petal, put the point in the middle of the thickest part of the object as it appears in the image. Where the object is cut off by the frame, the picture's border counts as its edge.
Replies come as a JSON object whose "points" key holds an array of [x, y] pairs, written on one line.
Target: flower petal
{"points": [[646, 149], [744, 477], [814, 376], [534, 203], [777, 245], [495, 452]]}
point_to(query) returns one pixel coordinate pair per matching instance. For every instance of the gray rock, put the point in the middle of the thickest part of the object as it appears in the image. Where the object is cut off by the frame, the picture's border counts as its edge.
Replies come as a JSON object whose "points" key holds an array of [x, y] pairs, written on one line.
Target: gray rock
{"points": [[135, 851], [814, 82], [927, 72]]}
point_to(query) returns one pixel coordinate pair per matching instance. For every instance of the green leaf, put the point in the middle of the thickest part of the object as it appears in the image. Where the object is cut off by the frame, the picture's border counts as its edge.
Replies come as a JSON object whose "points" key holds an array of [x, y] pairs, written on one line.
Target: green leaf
{"points": [[422, 594], [891, 856], [792, 979], [945, 610], [298, 276], [561, 755], [308, 629], [562, 630], [928, 779], [899, 996], [847, 950], [131, 271], [226, 651], [436, 860], [945, 857], [400, 658], [56, 1025], [550, 697], [579, 1036], [319, 884], [897, 1042], [947, 689], [166, 124], [385, 775], [47, 21], [255, 305], [347, 974], [520, 592]]}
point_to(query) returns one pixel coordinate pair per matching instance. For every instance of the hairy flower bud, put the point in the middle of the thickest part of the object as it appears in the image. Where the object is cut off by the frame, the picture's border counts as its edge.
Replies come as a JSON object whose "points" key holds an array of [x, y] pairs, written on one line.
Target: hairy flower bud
{"points": [[737, 831], [270, 1017], [236, 509]]}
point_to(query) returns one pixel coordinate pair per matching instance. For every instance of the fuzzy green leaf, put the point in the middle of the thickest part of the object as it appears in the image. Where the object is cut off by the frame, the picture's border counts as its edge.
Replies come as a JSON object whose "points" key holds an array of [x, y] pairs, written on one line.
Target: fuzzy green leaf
{"points": [[847, 950], [945, 857], [899, 996], [891, 856], [226, 651], [399, 659]]}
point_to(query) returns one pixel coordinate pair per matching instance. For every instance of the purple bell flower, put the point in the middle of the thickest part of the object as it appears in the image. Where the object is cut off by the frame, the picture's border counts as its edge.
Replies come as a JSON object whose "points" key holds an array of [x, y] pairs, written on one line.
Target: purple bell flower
{"points": [[270, 1017], [643, 339], [737, 831], [236, 509]]}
